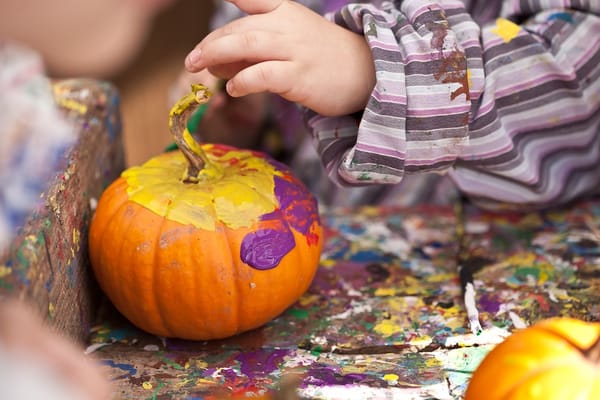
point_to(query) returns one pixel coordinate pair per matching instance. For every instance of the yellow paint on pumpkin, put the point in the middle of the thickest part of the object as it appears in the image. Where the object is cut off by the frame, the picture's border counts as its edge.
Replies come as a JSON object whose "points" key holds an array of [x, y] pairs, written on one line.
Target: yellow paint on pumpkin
{"points": [[147, 385], [232, 189], [506, 29]]}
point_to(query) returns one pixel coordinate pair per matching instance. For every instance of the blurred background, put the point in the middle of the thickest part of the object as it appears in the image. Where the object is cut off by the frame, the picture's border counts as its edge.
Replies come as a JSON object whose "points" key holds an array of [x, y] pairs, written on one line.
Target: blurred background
{"points": [[145, 83]]}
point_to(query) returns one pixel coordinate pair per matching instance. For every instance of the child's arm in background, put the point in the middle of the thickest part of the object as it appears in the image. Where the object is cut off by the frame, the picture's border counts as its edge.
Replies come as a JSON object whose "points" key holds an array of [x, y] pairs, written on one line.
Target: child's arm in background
{"points": [[509, 109]]}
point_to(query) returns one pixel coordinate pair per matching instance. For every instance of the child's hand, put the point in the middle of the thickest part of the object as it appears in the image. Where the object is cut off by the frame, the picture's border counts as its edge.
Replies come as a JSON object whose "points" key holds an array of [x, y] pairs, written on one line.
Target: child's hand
{"points": [[285, 48]]}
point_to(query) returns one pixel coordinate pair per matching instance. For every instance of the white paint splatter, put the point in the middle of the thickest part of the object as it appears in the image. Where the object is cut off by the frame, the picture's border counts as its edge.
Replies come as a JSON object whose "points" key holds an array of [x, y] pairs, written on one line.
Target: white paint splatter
{"points": [[361, 392], [471, 307], [355, 308], [493, 335], [94, 347], [516, 320]]}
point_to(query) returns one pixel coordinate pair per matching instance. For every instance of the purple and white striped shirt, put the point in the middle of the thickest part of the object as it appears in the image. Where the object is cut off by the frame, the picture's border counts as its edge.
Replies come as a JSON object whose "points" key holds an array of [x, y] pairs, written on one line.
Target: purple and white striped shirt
{"points": [[503, 96]]}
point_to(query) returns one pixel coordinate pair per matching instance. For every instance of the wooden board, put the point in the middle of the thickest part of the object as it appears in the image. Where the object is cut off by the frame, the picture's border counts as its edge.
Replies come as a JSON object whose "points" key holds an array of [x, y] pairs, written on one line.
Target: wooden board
{"points": [[48, 262], [384, 317]]}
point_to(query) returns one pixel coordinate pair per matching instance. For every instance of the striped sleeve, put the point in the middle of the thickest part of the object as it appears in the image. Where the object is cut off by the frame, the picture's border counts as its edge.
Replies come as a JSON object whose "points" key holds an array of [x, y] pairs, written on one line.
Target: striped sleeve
{"points": [[510, 111]]}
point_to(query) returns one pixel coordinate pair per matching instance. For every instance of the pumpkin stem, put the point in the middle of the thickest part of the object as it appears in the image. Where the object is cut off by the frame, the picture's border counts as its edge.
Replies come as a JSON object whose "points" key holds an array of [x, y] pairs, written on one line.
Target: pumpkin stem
{"points": [[593, 352], [178, 117]]}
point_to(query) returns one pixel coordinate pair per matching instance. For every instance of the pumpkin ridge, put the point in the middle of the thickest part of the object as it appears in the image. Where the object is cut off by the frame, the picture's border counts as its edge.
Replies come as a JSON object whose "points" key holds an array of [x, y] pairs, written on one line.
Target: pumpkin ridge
{"points": [[591, 353], [118, 277], [229, 237], [155, 266]]}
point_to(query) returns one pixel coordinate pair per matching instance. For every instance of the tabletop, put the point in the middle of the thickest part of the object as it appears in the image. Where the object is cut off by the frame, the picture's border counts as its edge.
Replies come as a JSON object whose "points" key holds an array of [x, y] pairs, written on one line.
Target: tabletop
{"points": [[405, 304]]}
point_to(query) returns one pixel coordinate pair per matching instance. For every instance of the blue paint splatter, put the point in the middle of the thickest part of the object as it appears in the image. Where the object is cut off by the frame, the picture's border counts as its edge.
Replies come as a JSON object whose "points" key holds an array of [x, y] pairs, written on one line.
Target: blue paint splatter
{"points": [[125, 367]]}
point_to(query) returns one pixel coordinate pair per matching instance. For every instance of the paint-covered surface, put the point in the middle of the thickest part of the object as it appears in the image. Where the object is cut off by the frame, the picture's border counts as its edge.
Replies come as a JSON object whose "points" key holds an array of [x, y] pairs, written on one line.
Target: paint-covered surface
{"points": [[384, 317], [47, 262]]}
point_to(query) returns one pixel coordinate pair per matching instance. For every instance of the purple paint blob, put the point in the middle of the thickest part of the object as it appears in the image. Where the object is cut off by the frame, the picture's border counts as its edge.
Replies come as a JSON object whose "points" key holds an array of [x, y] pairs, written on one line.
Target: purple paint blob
{"points": [[264, 248], [325, 376], [260, 362], [489, 304]]}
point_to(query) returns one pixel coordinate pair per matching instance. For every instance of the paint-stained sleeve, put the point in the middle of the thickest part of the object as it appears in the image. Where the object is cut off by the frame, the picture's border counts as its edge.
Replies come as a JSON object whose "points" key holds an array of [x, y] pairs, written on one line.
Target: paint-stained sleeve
{"points": [[509, 110]]}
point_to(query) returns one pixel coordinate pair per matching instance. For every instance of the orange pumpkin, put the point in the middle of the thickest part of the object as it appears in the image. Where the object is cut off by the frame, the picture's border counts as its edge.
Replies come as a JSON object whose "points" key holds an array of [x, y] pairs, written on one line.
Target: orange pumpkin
{"points": [[555, 359], [206, 242]]}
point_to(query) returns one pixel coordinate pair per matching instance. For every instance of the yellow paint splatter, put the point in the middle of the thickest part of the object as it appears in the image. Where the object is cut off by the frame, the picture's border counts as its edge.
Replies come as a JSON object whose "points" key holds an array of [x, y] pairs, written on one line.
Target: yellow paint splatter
{"points": [[442, 277], [469, 75], [391, 379], [387, 328], [5, 271], [352, 369], [308, 299], [383, 292], [421, 341], [147, 385], [238, 194], [76, 236], [524, 259], [506, 29], [51, 310], [73, 105]]}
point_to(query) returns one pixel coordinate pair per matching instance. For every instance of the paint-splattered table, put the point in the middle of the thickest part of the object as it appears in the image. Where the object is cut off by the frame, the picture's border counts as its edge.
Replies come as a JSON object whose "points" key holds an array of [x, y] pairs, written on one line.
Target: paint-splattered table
{"points": [[384, 317]]}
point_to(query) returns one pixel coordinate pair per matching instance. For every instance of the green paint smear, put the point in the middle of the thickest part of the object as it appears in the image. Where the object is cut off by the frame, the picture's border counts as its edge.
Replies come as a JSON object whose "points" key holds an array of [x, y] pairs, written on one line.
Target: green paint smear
{"points": [[155, 394], [316, 351], [299, 313], [522, 273], [171, 363]]}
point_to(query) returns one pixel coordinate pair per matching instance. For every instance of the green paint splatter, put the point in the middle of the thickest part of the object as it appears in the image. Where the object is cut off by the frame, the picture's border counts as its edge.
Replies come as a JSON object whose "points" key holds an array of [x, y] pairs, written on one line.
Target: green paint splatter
{"points": [[171, 363], [299, 313], [155, 394], [316, 351]]}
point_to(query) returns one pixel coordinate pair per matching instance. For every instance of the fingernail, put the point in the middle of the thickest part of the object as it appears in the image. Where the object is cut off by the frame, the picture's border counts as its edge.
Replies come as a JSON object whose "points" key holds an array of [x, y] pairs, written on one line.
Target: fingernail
{"points": [[193, 59], [229, 87]]}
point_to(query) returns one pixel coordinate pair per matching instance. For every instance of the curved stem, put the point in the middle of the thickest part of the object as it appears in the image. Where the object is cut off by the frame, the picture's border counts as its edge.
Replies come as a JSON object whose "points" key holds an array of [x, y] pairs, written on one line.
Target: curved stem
{"points": [[178, 117], [593, 352]]}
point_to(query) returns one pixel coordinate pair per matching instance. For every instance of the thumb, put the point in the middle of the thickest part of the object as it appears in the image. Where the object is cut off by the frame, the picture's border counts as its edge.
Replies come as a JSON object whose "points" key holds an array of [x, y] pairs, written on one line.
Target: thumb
{"points": [[256, 6]]}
